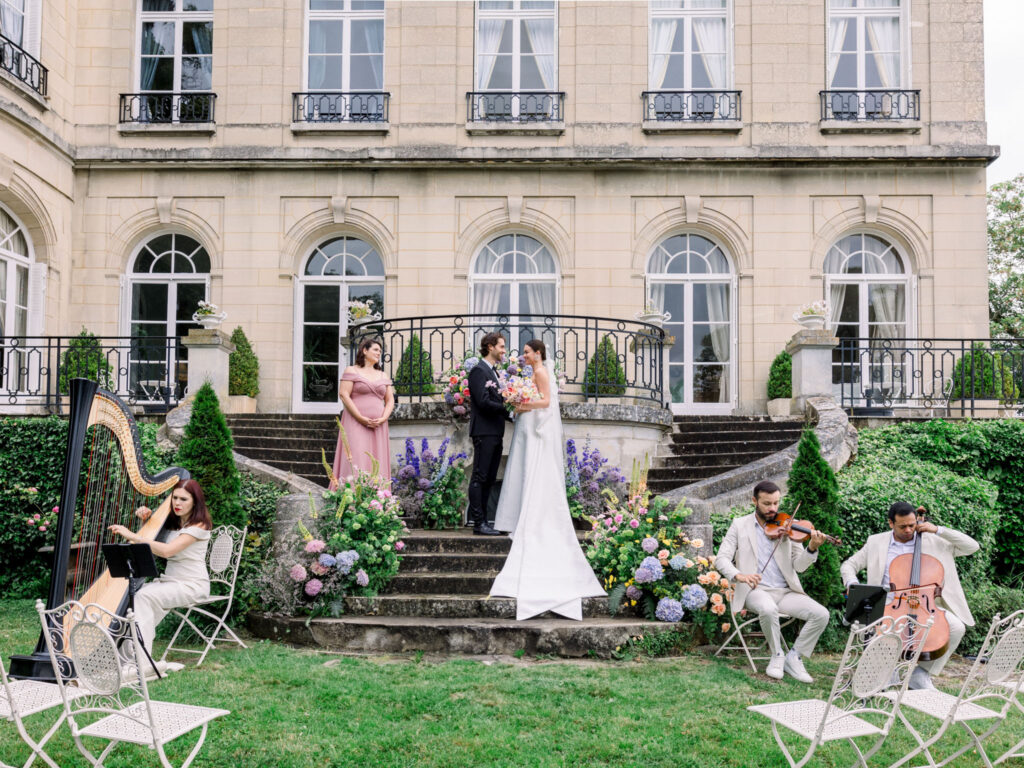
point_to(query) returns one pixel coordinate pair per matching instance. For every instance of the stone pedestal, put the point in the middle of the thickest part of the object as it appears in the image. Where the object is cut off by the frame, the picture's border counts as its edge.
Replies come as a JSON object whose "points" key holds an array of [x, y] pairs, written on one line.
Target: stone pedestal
{"points": [[208, 353], [812, 365]]}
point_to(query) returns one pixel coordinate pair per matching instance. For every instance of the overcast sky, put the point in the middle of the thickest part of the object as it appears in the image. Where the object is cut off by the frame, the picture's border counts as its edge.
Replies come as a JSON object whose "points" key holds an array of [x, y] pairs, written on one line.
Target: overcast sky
{"points": [[1004, 86]]}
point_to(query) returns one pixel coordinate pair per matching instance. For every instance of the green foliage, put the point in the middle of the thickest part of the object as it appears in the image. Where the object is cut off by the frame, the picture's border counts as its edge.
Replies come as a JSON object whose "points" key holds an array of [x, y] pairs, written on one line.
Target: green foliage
{"points": [[415, 375], [243, 366], [28, 522], [259, 502], [206, 452], [668, 642], [1006, 258], [985, 373], [442, 507], [604, 374], [985, 601], [431, 487], [84, 359], [812, 484], [720, 522], [780, 376]]}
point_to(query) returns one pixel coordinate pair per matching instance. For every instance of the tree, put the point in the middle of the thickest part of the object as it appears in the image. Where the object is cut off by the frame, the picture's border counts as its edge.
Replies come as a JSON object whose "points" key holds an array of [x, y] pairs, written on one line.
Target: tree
{"points": [[415, 375], [206, 452], [812, 484], [604, 374], [780, 376], [243, 366], [85, 358], [1006, 259]]}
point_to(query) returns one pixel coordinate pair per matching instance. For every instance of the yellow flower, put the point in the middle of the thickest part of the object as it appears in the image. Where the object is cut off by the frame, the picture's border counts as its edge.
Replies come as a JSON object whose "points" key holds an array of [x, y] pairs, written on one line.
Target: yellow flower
{"points": [[649, 520]]}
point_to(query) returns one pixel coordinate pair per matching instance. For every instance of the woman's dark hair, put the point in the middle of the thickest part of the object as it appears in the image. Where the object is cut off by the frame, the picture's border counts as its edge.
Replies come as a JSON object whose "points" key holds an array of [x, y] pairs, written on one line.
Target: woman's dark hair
{"points": [[765, 486], [489, 340], [200, 514], [364, 345], [538, 346]]}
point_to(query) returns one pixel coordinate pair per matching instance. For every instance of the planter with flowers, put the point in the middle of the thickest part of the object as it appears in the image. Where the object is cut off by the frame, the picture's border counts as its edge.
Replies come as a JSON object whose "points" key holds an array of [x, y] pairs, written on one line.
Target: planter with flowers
{"points": [[208, 315], [362, 311], [653, 314], [430, 487], [812, 316], [587, 477]]}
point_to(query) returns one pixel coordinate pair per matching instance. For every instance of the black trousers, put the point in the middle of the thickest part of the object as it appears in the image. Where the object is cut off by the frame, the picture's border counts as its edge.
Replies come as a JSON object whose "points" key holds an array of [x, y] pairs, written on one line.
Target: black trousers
{"points": [[486, 460]]}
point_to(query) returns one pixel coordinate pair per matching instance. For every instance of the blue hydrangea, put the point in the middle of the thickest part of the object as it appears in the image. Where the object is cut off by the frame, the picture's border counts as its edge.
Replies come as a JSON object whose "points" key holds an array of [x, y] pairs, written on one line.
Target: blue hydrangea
{"points": [[345, 560], [633, 592], [669, 610], [469, 363], [327, 561], [644, 576], [677, 563], [694, 597], [654, 566], [650, 544], [361, 578]]}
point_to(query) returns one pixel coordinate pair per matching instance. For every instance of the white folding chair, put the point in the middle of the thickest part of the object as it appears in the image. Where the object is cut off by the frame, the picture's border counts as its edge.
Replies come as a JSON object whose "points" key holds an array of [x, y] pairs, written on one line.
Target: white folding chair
{"points": [[995, 679], [875, 660], [746, 636], [98, 653], [222, 560]]}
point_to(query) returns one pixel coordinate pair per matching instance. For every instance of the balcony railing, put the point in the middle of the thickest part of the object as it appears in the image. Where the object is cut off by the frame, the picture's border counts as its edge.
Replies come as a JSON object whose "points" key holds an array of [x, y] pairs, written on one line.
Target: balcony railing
{"points": [[691, 106], [334, 107], [935, 377], [874, 104], [515, 106], [167, 107], [22, 66], [149, 371], [572, 341]]}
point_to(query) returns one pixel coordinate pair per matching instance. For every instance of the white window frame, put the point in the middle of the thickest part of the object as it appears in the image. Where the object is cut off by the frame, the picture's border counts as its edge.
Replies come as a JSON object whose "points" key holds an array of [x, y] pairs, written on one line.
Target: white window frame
{"points": [[688, 406], [346, 16], [178, 18], [687, 15], [859, 16], [516, 14]]}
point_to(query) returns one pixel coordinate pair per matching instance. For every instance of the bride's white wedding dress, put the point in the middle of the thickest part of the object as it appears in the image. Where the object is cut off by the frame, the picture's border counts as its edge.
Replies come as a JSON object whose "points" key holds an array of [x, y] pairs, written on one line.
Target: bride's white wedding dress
{"points": [[546, 569]]}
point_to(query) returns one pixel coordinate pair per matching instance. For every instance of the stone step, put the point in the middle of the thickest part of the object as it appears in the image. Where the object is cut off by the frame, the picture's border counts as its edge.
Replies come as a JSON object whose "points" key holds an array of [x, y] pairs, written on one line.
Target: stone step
{"points": [[754, 435], [276, 454], [455, 542], [598, 637], [664, 486], [765, 445], [251, 418], [669, 473], [438, 564], [714, 459], [451, 583], [687, 419], [272, 434], [452, 606]]}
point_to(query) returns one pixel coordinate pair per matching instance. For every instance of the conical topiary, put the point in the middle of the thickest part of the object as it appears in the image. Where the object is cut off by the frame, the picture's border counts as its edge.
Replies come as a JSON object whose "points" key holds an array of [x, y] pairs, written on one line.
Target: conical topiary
{"points": [[780, 376], [206, 452], [243, 366], [414, 376], [604, 374], [84, 358]]}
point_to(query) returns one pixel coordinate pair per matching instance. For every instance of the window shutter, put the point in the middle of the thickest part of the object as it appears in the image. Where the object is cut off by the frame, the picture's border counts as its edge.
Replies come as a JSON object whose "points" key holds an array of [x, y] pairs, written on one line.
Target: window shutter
{"points": [[32, 34], [36, 299]]}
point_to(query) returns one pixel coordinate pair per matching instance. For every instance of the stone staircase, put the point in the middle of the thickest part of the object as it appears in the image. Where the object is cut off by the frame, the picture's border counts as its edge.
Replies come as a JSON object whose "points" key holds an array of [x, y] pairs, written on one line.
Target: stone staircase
{"points": [[291, 442], [705, 446], [438, 604]]}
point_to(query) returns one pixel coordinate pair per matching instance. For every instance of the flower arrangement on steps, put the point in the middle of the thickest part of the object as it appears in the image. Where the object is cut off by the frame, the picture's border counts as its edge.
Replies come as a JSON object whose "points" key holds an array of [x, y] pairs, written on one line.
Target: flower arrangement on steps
{"points": [[431, 487]]}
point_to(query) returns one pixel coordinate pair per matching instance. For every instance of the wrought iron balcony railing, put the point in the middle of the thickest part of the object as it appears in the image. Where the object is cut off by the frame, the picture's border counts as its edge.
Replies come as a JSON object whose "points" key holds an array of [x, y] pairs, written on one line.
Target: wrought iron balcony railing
{"points": [[598, 357], [22, 66], [146, 370], [874, 104], [515, 106], [336, 107], [691, 106], [167, 107]]}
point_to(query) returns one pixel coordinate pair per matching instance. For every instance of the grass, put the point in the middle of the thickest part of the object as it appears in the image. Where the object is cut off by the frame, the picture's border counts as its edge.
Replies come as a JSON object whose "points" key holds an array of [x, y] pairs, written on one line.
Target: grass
{"points": [[295, 708]]}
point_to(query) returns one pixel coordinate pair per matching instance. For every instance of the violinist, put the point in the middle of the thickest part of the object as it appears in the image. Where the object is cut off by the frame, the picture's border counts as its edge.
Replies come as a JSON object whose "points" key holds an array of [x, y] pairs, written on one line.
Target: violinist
{"points": [[938, 541], [765, 571]]}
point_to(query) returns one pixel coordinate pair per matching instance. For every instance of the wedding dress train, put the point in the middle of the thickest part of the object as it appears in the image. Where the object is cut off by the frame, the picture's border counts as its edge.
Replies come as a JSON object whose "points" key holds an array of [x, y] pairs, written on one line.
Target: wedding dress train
{"points": [[546, 569]]}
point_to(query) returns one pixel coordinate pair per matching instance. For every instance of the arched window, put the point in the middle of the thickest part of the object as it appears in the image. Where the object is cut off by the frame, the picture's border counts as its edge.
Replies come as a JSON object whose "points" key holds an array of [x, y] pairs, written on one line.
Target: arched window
{"points": [[690, 277], [338, 271], [168, 277], [15, 262], [515, 275]]}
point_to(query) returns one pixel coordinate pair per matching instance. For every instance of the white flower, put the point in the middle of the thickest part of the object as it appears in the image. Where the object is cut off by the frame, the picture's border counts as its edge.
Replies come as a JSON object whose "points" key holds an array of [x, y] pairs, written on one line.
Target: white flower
{"points": [[819, 307]]}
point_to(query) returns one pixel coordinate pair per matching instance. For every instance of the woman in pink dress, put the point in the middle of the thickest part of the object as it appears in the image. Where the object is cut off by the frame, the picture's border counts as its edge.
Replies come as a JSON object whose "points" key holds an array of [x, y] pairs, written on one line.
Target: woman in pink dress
{"points": [[369, 398]]}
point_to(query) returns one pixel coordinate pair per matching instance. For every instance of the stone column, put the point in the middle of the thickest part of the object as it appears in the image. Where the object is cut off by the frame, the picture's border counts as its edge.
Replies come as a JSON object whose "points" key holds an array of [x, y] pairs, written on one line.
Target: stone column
{"points": [[812, 365], [208, 352]]}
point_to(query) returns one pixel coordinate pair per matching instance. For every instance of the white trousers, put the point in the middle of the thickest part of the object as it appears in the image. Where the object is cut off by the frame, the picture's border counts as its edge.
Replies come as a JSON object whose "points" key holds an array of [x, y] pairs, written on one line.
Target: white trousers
{"points": [[769, 602], [956, 634], [155, 600]]}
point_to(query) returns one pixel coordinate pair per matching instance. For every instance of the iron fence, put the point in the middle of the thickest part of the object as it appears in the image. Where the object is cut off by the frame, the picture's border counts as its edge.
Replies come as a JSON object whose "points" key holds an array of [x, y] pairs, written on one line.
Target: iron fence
{"points": [[933, 377], [691, 106], [874, 104], [597, 358], [149, 371], [22, 65], [334, 107], [515, 106], [167, 107]]}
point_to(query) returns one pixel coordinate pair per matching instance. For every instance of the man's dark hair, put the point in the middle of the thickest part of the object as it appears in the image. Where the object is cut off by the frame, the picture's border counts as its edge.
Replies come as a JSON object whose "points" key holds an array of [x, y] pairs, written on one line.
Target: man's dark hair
{"points": [[901, 508], [765, 486], [489, 340]]}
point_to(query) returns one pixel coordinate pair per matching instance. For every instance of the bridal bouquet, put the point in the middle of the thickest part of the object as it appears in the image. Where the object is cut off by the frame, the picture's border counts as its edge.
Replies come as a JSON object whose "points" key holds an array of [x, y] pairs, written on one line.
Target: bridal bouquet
{"points": [[517, 390]]}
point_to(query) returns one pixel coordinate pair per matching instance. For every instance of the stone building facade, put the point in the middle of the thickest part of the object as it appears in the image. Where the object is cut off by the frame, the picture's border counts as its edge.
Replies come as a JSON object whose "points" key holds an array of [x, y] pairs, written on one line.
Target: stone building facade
{"points": [[725, 160]]}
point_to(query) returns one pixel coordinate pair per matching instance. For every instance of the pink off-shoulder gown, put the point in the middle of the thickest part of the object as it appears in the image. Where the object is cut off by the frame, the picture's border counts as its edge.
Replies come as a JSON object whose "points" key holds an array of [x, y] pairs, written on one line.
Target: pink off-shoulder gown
{"points": [[368, 398]]}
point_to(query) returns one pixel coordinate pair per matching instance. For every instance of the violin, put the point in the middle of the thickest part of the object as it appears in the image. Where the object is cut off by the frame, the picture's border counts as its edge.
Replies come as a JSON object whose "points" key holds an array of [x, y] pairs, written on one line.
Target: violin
{"points": [[797, 530], [915, 581]]}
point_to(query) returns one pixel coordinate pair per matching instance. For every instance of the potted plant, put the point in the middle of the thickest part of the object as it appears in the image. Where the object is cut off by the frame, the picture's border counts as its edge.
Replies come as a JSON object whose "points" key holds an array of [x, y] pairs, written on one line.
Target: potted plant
{"points": [[361, 311], [653, 314], [983, 383], [208, 315], [780, 385], [243, 375], [812, 316], [604, 376]]}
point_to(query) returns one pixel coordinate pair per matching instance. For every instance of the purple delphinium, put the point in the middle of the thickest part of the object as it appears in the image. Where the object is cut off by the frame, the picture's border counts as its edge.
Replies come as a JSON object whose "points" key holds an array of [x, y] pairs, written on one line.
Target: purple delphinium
{"points": [[694, 597], [669, 610]]}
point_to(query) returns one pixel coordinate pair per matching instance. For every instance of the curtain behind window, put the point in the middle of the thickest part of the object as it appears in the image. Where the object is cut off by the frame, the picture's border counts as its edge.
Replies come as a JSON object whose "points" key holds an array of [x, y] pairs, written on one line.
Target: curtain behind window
{"points": [[12, 20]]}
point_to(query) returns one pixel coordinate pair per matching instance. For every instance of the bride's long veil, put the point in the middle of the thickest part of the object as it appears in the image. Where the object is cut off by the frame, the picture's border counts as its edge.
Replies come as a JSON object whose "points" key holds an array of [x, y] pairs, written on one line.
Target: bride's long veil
{"points": [[548, 421]]}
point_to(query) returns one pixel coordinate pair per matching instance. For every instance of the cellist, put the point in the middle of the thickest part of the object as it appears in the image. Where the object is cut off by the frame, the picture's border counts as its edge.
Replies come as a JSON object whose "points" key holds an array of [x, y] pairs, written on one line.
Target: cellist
{"points": [[938, 541]]}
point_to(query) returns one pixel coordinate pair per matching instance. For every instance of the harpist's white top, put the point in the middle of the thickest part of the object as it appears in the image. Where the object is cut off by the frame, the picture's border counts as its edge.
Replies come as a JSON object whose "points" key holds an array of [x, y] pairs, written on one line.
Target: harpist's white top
{"points": [[189, 565]]}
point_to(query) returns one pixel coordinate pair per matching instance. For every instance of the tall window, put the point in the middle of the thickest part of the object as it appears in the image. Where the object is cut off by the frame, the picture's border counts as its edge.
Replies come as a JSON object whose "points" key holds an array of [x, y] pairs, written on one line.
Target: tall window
{"points": [[516, 44], [338, 271], [12, 20], [15, 260], [515, 275], [689, 46], [169, 276], [690, 277], [345, 45], [176, 55], [867, 44]]}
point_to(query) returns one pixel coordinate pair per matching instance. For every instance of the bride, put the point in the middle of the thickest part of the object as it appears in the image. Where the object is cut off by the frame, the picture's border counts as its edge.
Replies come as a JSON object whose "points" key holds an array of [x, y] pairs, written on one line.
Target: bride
{"points": [[546, 569]]}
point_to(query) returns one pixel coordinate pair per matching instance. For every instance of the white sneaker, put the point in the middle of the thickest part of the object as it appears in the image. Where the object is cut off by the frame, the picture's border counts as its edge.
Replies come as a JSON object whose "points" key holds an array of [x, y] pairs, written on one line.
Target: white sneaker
{"points": [[795, 668], [920, 680], [775, 666]]}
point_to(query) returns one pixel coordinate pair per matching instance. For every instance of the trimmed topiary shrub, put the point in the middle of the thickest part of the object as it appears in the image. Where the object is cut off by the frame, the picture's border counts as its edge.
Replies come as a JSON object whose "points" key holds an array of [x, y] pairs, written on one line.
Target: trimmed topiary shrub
{"points": [[206, 451], [985, 374], [84, 359], [243, 366], [415, 375], [604, 374], [780, 376]]}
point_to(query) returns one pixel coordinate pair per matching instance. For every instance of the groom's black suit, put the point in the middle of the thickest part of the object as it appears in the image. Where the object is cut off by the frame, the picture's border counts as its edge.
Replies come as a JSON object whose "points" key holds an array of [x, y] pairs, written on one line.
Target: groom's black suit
{"points": [[487, 416]]}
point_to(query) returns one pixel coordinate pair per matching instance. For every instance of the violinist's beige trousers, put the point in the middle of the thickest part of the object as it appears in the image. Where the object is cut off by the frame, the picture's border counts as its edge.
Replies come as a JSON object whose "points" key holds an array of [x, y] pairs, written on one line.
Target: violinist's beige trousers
{"points": [[771, 602], [956, 634]]}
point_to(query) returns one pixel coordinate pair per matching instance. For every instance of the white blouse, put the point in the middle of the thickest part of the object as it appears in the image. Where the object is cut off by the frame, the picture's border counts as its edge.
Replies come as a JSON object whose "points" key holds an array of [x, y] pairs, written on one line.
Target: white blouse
{"points": [[189, 565]]}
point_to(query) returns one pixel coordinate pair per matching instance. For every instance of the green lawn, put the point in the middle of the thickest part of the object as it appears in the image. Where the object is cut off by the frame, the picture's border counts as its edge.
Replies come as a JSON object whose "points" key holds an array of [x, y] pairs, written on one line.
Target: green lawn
{"points": [[292, 708]]}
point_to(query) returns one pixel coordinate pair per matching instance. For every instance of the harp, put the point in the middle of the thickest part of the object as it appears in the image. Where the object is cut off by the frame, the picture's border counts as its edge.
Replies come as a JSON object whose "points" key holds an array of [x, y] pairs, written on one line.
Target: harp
{"points": [[103, 489]]}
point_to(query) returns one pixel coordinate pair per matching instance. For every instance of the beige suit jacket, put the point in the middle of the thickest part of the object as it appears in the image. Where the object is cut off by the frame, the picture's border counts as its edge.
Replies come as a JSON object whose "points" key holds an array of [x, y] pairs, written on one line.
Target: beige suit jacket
{"points": [[944, 545], [738, 554]]}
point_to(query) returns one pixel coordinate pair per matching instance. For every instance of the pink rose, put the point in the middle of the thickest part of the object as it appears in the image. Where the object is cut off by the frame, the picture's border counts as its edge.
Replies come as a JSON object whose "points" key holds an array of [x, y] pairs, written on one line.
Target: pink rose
{"points": [[33, 489], [42, 528], [618, 519], [634, 523], [399, 546], [56, 510], [36, 516]]}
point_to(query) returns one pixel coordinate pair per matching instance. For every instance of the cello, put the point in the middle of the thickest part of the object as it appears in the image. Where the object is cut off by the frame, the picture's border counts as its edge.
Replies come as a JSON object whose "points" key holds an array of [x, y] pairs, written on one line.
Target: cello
{"points": [[915, 581]]}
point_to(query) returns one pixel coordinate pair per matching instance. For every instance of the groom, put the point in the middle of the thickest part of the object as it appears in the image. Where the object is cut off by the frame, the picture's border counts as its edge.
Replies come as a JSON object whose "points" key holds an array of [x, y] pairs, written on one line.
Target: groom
{"points": [[487, 416]]}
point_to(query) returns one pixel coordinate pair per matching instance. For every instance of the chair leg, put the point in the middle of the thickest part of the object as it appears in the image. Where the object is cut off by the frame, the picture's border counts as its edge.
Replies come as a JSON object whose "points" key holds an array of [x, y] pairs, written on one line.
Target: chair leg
{"points": [[923, 746], [975, 743], [37, 746], [177, 632], [195, 749], [785, 750]]}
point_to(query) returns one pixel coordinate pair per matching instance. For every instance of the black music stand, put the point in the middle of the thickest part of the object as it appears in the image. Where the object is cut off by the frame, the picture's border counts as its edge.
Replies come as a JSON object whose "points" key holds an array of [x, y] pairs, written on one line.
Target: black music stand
{"points": [[865, 604], [133, 562]]}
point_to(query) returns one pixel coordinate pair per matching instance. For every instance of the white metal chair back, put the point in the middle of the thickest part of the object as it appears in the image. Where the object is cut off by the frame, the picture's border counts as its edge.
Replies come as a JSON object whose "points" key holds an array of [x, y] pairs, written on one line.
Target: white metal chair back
{"points": [[225, 554], [1001, 659]]}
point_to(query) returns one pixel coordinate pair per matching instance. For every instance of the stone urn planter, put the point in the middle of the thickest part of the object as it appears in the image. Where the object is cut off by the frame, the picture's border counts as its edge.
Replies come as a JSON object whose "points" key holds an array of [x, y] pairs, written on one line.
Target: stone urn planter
{"points": [[811, 322], [241, 404], [210, 321]]}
